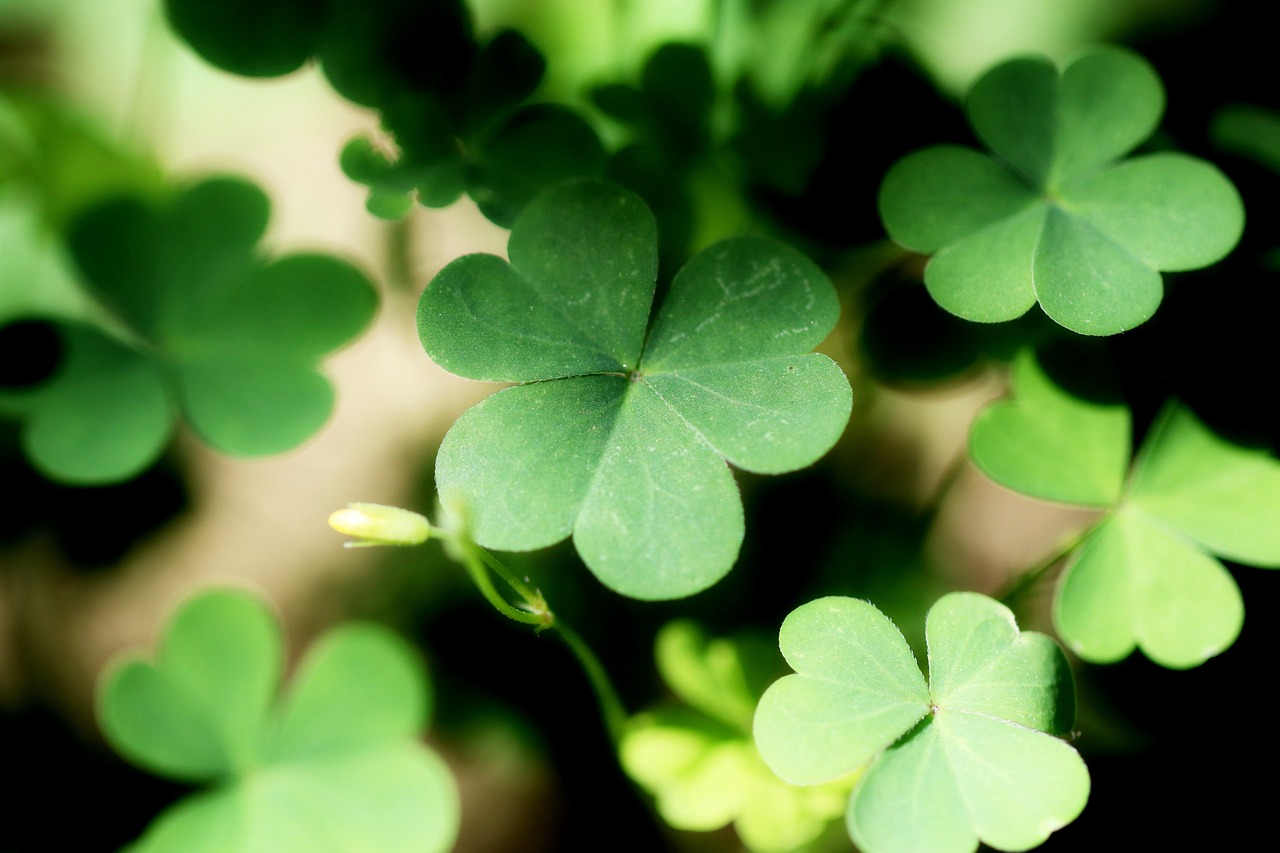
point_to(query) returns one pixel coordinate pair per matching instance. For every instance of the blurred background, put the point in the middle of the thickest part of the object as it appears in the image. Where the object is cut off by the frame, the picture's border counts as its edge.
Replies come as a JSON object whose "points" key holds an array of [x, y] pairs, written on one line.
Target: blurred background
{"points": [[893, 514]]}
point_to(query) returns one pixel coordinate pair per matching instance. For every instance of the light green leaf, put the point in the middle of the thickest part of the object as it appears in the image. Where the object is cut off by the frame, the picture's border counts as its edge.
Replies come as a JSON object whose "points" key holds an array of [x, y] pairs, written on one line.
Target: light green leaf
{"points": [[1050, 443], [197, 713], [705, 777], [718, 676], [1132, 584], [965, 778], [337, 764], [1214, 491], [699, 761], [1052, 218], [625, 448], [980, 663], [973, 761], [322, 716], [847, 656]]}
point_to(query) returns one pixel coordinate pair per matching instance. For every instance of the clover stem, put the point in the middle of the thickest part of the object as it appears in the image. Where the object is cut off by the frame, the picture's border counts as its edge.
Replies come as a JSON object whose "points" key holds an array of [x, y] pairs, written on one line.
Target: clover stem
{"points": [[1019, 585], [474, 560], [535, 611]]}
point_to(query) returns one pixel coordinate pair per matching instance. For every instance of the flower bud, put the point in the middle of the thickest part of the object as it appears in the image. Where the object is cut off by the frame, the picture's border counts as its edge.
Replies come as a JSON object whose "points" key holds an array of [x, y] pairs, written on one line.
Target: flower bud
{"points": [[375, 524]]}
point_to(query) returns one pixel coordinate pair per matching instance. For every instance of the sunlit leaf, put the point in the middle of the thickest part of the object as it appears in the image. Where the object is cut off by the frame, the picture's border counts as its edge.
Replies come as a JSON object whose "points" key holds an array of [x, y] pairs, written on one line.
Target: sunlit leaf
{"points": [[967, 757], [1147, 576], [699, 760], [1051, 444]]}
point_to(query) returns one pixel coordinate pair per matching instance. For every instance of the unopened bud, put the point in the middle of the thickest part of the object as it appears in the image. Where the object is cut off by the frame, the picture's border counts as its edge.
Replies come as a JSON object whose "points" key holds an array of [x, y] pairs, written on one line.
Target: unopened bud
{"points": [[375, 524]]}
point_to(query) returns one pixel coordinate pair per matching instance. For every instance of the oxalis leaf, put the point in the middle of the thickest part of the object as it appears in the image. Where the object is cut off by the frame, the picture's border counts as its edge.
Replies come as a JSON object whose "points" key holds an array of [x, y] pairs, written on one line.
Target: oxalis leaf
{"points": [[615, 438], [1054, 216], [201, 323], [698, 759], [336, 763], [968, 756], [1147, 575]]}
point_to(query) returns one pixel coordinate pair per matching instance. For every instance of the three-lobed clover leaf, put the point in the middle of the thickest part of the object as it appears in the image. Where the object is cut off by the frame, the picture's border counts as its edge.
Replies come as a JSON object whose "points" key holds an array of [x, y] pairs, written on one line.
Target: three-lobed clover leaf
{"points": [[1146, 576], [698, 758], [968, 756], [198, 322], [619, 436], [336, 762], [1055, 216]]}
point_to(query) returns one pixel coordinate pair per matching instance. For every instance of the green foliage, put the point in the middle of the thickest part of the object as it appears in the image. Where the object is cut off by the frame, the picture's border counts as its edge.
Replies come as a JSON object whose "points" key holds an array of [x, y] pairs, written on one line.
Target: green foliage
{"points": [[968, 756], [198, 321], [1055, 217], [650, 356], [1145, 576], [698, 758], [334, 761], [617, 436]]}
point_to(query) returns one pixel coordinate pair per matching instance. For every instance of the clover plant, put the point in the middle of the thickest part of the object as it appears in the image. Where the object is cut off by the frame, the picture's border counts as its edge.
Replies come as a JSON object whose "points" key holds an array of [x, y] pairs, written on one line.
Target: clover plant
{"points": [[688, 288], [621, 426], [333, 762], [971, 754], [1146, 575], [195, 319], [1056, 216], [698, 757]]}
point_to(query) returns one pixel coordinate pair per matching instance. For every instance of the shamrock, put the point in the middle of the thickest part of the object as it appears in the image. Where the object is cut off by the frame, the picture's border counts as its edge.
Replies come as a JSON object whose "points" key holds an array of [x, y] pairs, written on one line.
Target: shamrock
{"points": [[698, 758], [1053, 217], [1147, 574], [197, 320], [620, 436], [969, 755], [335, 763]]}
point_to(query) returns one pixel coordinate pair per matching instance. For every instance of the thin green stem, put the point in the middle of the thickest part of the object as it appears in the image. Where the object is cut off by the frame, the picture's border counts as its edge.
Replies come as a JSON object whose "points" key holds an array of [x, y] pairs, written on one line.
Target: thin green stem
{"points": [[1025, 581], [473, 560], [534, 611]]}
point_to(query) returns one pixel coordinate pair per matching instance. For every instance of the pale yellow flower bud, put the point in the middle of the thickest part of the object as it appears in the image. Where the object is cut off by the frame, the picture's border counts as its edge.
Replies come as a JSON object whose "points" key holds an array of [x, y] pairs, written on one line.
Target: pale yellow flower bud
{"points": [[376, 524]]}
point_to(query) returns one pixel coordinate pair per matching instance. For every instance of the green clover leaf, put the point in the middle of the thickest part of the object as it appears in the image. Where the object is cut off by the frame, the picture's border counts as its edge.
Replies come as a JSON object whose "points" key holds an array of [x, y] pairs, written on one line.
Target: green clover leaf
{"points": [[698, 759], [617, 438], [1147, 575], [969, 756], [335, 762], [1055, 216], [199, 321], [1050, 443]]}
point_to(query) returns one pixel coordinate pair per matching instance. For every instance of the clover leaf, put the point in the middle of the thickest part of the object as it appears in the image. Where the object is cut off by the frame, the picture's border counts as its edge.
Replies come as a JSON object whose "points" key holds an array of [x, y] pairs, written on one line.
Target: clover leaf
{"points": [[1089, 440], [1147, 575], [615, 437], [199, 321], [698, 758], [968, 756], [335, 762], [1055, 216]]}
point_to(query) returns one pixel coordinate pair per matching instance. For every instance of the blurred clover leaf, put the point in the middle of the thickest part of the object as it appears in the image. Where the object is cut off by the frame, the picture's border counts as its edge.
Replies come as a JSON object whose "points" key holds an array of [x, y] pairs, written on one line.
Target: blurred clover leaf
{"points": [[968, 756], [1249, 130], [1146, 575], [333, 763], [499, 153], [620, 432], [698, 758], [1055, 216], [197, 320]]}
